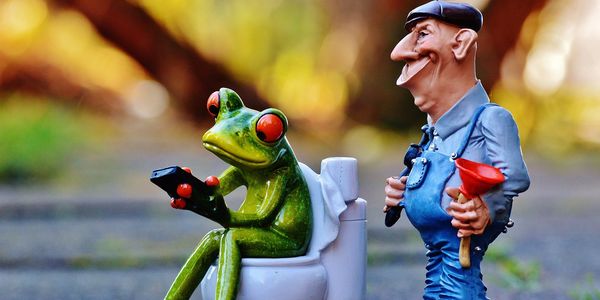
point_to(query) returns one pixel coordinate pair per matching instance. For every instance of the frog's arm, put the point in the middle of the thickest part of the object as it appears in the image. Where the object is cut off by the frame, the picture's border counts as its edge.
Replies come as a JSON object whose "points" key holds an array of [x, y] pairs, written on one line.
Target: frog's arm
{"points": [[269, 208], [230, 180], [214, 207]]}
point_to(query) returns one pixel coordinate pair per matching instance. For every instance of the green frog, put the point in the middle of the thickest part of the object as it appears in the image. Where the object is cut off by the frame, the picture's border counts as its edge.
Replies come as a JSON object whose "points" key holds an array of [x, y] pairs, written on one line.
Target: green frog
{"points": [[274, 220]]}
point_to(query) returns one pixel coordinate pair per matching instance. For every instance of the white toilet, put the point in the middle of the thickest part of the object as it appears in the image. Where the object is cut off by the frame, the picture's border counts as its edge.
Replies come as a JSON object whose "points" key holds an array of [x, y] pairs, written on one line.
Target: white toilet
{"points": [[334, 267]]}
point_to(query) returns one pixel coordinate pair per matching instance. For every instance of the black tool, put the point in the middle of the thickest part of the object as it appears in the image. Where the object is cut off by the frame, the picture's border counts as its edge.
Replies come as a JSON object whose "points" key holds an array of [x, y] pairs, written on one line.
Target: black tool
{"points": [[394, 213]]}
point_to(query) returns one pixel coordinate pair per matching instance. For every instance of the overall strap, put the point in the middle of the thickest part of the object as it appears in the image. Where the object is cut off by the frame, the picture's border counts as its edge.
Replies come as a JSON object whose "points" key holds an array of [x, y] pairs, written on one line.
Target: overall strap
{"points": [[470, 128], [414, 150]]}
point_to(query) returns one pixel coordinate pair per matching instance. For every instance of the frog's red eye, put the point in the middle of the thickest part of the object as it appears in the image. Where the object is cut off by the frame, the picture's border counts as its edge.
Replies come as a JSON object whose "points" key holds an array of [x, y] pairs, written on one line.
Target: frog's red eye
{"points": [[269, 128], [213, 104]]}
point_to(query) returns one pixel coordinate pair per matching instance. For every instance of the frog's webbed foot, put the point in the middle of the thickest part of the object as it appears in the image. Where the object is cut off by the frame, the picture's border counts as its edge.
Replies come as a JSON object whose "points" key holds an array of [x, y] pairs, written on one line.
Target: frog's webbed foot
{"points": [[206, 202]]}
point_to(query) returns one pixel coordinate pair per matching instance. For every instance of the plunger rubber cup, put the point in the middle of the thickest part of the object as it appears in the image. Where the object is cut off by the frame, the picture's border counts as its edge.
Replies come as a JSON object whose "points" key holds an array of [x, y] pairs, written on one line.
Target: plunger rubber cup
{"points": [[477, 179]]}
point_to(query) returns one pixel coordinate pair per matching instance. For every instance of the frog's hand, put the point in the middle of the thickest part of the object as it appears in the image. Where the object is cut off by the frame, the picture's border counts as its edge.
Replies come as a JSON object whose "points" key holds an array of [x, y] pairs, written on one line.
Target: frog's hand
{"points": [[214, 209], [207, 202], [269, 208]]}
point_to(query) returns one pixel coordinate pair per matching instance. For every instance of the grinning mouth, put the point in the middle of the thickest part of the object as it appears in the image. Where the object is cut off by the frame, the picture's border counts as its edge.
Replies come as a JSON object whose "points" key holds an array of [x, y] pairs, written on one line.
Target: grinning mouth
{"points": [[411, 68]]}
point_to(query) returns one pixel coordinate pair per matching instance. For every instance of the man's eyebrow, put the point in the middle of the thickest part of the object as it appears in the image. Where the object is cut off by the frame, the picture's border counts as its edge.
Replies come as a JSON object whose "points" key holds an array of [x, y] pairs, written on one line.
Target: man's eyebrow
{"points": [[422, 26]]}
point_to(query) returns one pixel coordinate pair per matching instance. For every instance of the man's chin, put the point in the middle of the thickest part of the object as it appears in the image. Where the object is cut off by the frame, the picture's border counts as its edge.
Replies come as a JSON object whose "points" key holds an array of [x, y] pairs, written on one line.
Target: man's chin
{"points": [[420, 89], [421, 104]]}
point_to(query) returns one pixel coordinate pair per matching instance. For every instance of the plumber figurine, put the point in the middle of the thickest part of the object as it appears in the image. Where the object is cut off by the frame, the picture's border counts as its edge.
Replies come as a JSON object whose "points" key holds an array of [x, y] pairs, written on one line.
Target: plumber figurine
{"points": [[439, 54]]}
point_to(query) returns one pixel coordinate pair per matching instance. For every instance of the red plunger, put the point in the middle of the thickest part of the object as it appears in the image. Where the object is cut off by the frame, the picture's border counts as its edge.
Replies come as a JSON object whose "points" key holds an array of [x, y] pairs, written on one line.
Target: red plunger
{"points": [[477, 178]]}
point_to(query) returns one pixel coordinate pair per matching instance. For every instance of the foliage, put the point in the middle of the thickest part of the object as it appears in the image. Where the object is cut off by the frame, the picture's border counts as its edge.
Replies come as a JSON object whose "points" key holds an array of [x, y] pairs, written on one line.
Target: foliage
{"points": [[36, 139], [31, 30], [325, 63], [514, 275], [586, 291], [285, 48]]}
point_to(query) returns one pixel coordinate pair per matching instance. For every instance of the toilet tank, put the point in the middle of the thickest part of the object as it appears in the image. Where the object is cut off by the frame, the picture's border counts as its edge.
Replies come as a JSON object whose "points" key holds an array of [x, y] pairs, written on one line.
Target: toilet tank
{"points": [[345, 259]]}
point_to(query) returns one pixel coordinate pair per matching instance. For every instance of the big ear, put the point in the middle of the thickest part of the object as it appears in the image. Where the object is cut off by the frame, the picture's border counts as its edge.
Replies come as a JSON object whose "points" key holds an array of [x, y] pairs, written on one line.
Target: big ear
{"points": [[464, 40]]}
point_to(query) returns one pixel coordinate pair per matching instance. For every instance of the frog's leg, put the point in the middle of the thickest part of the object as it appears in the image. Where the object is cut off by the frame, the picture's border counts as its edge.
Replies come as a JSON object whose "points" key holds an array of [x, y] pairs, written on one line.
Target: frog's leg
{"points": [[249, 242], [196, 266]]}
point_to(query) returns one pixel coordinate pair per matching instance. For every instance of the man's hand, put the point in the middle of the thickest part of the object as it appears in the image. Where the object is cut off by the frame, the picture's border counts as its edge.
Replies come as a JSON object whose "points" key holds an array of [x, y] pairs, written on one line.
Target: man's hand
{"points": [[470, 217], [394, 191]]}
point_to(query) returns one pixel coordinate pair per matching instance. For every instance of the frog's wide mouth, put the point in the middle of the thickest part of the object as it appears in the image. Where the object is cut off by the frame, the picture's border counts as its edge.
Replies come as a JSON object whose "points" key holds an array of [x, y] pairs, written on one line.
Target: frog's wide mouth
{"points": [[226, 154]]}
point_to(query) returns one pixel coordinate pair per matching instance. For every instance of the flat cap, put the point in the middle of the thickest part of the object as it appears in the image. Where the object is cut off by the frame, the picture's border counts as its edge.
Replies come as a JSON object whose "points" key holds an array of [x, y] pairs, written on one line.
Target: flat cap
{"points": [[462, 15]]}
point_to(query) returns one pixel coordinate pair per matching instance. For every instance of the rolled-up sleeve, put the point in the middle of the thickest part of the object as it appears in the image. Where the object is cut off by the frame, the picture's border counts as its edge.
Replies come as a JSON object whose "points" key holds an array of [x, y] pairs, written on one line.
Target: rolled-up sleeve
{"points": [[503, 148]]}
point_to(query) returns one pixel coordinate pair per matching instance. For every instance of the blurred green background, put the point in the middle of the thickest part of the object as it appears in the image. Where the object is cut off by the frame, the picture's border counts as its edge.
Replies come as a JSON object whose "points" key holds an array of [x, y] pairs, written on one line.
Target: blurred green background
{"points": [[96, 94]]}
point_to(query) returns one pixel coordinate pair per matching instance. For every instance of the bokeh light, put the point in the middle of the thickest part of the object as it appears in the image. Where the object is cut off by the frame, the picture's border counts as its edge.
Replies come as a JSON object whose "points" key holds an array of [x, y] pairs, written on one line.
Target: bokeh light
{"points": [[148, 99], [19, 22]]}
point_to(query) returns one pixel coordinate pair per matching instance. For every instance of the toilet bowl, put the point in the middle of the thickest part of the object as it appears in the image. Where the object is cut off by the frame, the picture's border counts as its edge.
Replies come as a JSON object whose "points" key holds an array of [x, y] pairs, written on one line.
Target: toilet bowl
{"points": [[334, 266]]}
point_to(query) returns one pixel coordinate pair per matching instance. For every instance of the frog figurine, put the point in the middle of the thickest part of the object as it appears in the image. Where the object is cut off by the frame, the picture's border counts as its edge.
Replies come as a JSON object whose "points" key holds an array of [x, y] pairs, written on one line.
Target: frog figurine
{"points": [[274, 220]]}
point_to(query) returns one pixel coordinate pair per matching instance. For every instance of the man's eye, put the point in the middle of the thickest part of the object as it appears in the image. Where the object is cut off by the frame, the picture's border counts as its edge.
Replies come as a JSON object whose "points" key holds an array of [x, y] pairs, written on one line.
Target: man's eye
{"points": [[421, 34]]}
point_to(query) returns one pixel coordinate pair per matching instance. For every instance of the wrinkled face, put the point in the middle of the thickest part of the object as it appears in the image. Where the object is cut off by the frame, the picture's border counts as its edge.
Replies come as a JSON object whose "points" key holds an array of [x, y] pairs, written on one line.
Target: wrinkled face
{"points": [[426, 51]]}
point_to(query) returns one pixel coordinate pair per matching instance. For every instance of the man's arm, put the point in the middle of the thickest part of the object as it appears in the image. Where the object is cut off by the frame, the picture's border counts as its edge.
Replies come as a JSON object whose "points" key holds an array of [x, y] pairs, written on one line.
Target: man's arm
{"points": [[503, 149]]}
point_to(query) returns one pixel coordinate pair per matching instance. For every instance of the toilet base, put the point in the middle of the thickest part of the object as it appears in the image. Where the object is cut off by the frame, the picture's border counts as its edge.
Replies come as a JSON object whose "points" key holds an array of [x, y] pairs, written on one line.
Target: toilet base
{"points": [[264, 282]]}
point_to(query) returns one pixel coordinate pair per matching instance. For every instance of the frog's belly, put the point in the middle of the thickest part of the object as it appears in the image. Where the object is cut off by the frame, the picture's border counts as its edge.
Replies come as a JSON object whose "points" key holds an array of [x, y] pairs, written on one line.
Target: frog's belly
{"points": [[294, 221]]}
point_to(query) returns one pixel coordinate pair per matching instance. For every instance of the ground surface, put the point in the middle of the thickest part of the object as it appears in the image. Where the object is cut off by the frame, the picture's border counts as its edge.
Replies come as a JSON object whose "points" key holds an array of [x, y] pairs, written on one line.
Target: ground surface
{"points": [[104, 232]]}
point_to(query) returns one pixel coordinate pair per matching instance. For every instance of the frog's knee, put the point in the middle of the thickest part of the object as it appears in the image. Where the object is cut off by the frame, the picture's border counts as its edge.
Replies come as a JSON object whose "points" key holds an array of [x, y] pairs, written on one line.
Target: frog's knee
{"points": [[217, 232], [240, 236], [214, 235], [230, 235]]}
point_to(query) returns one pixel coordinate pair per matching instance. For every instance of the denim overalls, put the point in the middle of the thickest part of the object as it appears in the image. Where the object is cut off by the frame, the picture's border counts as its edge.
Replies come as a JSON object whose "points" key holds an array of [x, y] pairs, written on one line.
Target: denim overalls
{"points": [[446, 279]]}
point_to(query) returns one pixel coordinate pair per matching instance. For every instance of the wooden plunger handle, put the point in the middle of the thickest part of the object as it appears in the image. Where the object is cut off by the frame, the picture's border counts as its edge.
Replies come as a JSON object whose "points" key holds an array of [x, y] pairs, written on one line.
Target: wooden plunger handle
{"points": [[464, 252]]}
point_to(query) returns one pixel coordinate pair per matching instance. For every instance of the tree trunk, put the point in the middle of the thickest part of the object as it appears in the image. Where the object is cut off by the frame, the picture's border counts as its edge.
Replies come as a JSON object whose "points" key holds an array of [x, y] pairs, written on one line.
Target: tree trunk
{"points": [[188, 76], [502, 24], [43, 79]]}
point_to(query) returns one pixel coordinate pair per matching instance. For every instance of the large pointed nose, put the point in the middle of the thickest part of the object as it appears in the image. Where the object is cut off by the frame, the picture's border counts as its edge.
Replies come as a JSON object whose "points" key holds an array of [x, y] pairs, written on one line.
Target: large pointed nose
{"points": [[405, 49]]}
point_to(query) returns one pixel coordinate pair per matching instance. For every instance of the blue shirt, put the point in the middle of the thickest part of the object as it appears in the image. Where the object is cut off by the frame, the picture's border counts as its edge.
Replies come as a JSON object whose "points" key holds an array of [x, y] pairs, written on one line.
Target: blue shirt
{"points": [[495, 141]]}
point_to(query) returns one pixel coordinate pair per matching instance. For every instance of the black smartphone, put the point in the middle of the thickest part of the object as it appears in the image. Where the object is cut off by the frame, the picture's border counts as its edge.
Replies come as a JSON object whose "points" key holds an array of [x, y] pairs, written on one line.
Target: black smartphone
{"points": [[169, 178]]}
